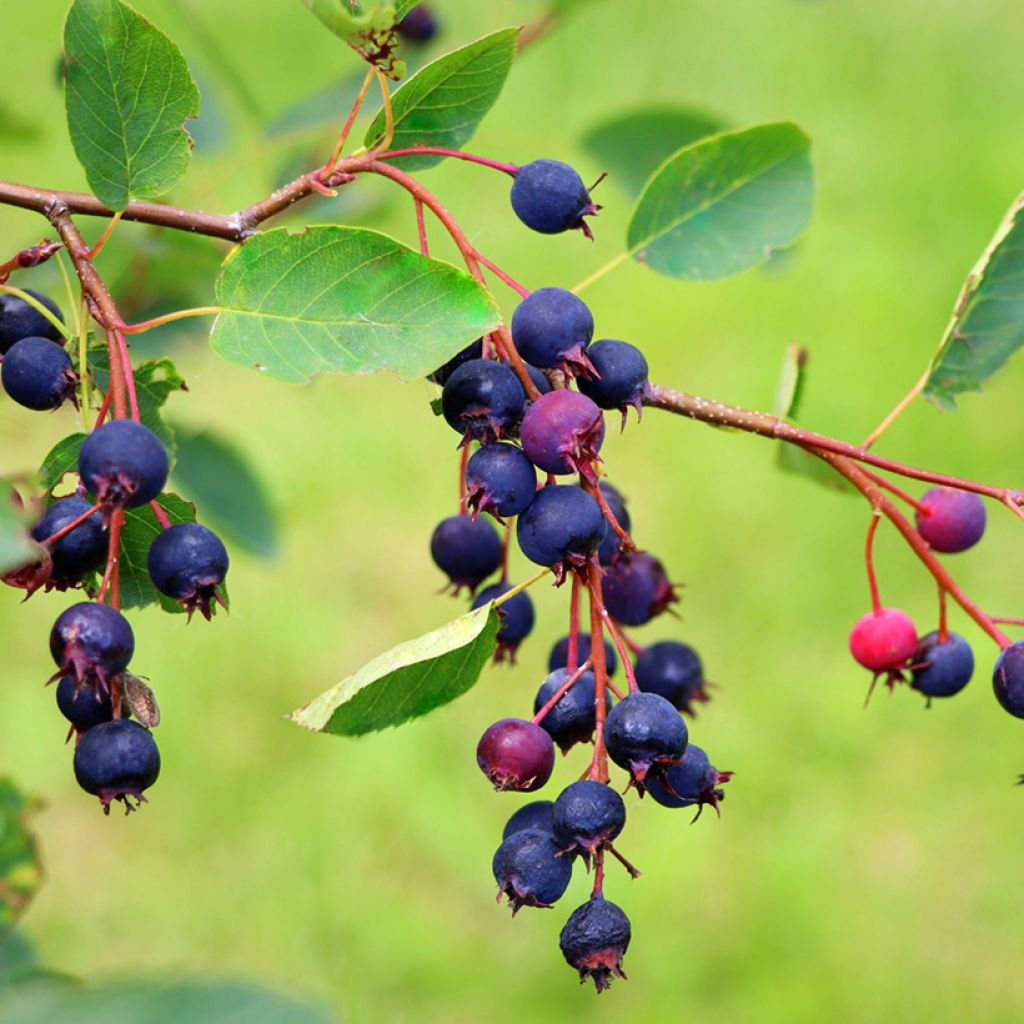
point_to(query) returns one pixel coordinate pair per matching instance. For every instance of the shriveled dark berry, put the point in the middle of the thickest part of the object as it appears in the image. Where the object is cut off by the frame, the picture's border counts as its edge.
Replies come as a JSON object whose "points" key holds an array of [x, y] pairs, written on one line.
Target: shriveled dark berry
{"points": [[123, 463], [83, 706], [419, 25], [594, 941], [92, 642], [636, 589], [562, 527], [550, 197], [529, 870], [942, 668], [693, 782], [483, 400], [552, 329], [571, 720], [535, 816], [673, 670], [516, 754], [20, 320], [516, 618], [587, 815], [188, 562], [562, 433], [474, 350], [559, 657], [500, 479], [621, 377], [1008, 679], [883, 640], [466, 550], [37, 373], [645, 734], [611, 546], [117, 760], [77, 552], [951, 520]]}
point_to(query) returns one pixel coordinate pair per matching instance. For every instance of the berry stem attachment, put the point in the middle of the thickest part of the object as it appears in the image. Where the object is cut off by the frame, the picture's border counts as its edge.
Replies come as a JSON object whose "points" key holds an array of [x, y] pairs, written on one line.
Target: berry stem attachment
{"points": [[901, 494], [573, 653], [456, 154], [521, 290], [598, 891], [91, 254], [869, 560], [168, 318], [561, 692], [599, 766], [332, 160]]}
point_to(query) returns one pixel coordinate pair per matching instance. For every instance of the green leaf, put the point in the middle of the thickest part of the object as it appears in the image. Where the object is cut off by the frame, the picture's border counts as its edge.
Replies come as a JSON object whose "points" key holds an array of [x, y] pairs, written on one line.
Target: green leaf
{"points": [[231, 493], [409, 680], [369, 28], [725, 204], [442, 104], [21, 871], [140, 530], [16, 548], [128, 92], [631, 146], [345, 299], [987, 326], [61, 459], [790, 387]]}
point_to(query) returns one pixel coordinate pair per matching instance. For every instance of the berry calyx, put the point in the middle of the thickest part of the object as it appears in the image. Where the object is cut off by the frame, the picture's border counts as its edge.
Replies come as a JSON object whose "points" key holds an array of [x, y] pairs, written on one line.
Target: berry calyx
{"points": [[500, 479], [117, 760], [77, 552], [1008, 679], [636, 589], [571, 720], [621, 376], [594, 941], [516, 754], [883, 640], [37, 373], [466, 550], [534, 816], [562, 527], [951, 520], [83, 706], [20, 320], [552, 328], [482, 400], [587, 815], [562, 433], [530, 871], [516, 618], [92, 642], [188, 562], [123, 463], [694, 781], [550, 197], [645, 734], [559, 657], [942, 668], [673, 670]]}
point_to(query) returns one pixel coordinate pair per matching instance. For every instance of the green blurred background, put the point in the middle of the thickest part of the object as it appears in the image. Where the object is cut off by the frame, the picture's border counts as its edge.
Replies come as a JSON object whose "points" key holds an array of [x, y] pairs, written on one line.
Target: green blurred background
{"points": [[866, 866]]}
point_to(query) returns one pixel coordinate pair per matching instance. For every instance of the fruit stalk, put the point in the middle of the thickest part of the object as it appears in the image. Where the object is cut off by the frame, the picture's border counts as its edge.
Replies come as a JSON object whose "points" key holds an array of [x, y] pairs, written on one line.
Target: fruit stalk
{"points": [[599, 766]]}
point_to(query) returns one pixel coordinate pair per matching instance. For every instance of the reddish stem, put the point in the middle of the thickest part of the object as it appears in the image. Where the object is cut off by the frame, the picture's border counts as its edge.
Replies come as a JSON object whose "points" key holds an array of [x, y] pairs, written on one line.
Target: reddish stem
{"points": [[421, 228], [893, 489], [636, 648], [463, 459], [129, 375], [1009, 622], [104, 409], [112, 575], [943, 624], [561, 692], [623, 654], [876, 604], [456, 154], [74, 524], [599, 766], [505, 549], [574, 623], [598, 495], [161, 516], [510, 281], [598, 889], [634, 873]]}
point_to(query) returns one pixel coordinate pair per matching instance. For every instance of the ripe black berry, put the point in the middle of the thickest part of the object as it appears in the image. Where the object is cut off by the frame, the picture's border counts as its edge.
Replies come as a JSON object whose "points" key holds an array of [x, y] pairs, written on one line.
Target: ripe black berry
{"points": [[77, 552], [611, 546], [645, 733], [1008, 679], [674, 671], [562, 527], [482, 400], [951, 520], [123, 463], [552, 329], [559, 656], [117, 760], [516, 754], [419, 25], [571, 720], [594, 941], [500, 479], [83, 706], [516, 618], [621, 378], [19, 320], [587, 815], [562, 433], [692, 782], [188, 562], [942, 669], [636, 589], [37, 373], [535, 816], [530, 871], [466, 550], [550, 197], [93, 642]]}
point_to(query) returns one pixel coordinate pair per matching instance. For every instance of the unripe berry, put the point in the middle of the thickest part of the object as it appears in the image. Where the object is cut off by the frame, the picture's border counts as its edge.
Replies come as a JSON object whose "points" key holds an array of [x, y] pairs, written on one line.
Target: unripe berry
{"points": [[529, 870], [951, 520], [562, 527], [620, 380], [534, 816], [673, 670], [123, 463], [37, 373], [594, 941], [942, 668], [77, 552], [500, 479], [562, 433], [466, 550], [117, 760], [516, 754], [644, 734], [516, 618], [692, 782], [552, 328], [883, 640], [636, 589], [559, 657], [550, 197], [587, 815], [93, 642], [20, 320], [189, 562], [1008, 679], [483, 400]]}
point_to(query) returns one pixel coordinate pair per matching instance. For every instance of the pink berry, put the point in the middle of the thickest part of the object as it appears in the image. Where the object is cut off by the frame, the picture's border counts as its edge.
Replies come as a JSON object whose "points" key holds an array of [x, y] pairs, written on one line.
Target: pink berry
{"points": [[883, 640], [951, 520]]}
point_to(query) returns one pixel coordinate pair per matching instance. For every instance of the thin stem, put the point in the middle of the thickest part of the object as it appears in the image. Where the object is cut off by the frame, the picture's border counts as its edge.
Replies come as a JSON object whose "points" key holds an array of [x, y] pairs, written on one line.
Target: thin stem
{"points": [[332, 160], [1009, 622], [73, 525], [104, 409], [168, 318], [9, 289], [499, 273], [421, 228], [599, 766], [574, 677], [463, 496], [92, 253], [623, 654], [161, 516], [899, 409], [943, 617], [893, 489], [506, 548], [112, 575], [636, 648], [389, 117], [626, 542], [876, 604], [129, 376], [601, 271], [519, 587], [598, 889], [455, 154], [633, 872], [573, 653]]}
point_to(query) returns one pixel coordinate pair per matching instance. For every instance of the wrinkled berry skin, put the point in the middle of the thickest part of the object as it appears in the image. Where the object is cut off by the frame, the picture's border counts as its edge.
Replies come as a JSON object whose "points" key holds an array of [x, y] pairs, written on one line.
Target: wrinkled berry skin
{"points": [[474, 350], [19, 320], [587, 815], [552, 328], [188, 562], [483, 400], [559, 657], [419, 25], [117, 760], [636, 589], [534, 816], [594, 941], [466, 550], [562, 527], [123, 463], [37, 373], [644, 733], [674, 671], [550, 197], [93, 642], [529, 870], [945, 668], [952, 520], [81, 550], [883, 641], [611, 547], [621, 379], [516, 754], [83, 706], [500, 479], [1008, 679], [516, 618], [571, 720], [693, 782], [562, 433]]}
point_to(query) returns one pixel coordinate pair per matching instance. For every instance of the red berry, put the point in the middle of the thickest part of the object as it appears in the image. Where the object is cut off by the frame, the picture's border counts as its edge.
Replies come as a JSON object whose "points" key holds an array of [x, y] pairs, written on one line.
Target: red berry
{"points": [[883, 640], [515, 754]]}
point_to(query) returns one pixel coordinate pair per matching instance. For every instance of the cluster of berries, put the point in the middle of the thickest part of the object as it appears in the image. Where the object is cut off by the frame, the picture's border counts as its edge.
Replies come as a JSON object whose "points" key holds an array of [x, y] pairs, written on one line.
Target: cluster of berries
{"points": [[121, 465], [538, 405]]}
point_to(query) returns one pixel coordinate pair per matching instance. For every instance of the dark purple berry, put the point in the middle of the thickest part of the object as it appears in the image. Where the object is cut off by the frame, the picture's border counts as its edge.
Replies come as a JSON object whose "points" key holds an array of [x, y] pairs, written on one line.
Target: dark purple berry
{"points": [[674, 671], [535, 816], [562, 527], [1008, 679], [559, 657], [77, 552], [516, 618], [123, 463], [482, 400], [594, 941], [942, 668], [529, 870], [472, 351], [419, 25], [645, 734], [466, 550], [500, 479], [20, 320], [83, 706], [552, 329], [189, 562], [93, 642], [636, 589], [587, 815], [571, 720], [550, 197], [562, 433], [540, 382], [37, 373], [516, 754], [611, 546], [951, 520], [620, 380], [693, 782], [117, 760]]}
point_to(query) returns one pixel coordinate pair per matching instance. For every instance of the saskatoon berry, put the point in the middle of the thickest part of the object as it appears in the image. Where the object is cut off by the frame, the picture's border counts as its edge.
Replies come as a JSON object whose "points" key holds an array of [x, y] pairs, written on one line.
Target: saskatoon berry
{"points": [[188, 562], [644, 733], [466, 550], [83, 706], [552, 329], [571, 720], [37, 373], [636, 589], [123, 463], [516, 618], [621, 378], [673, 670], [535, 816], [594, 941], [562, 433], [563, 525], [20, 320], [77, 552], [550, 197], [587, 815], [419, 25], [611, 546], [529, 870], [117, 760], [482, 400], [951, 520], [472, 351], [500, 479], [694, 781], [93, 642], [883, 640], [559, 657], [1008, 679], [942, 669], [516, 754]]}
